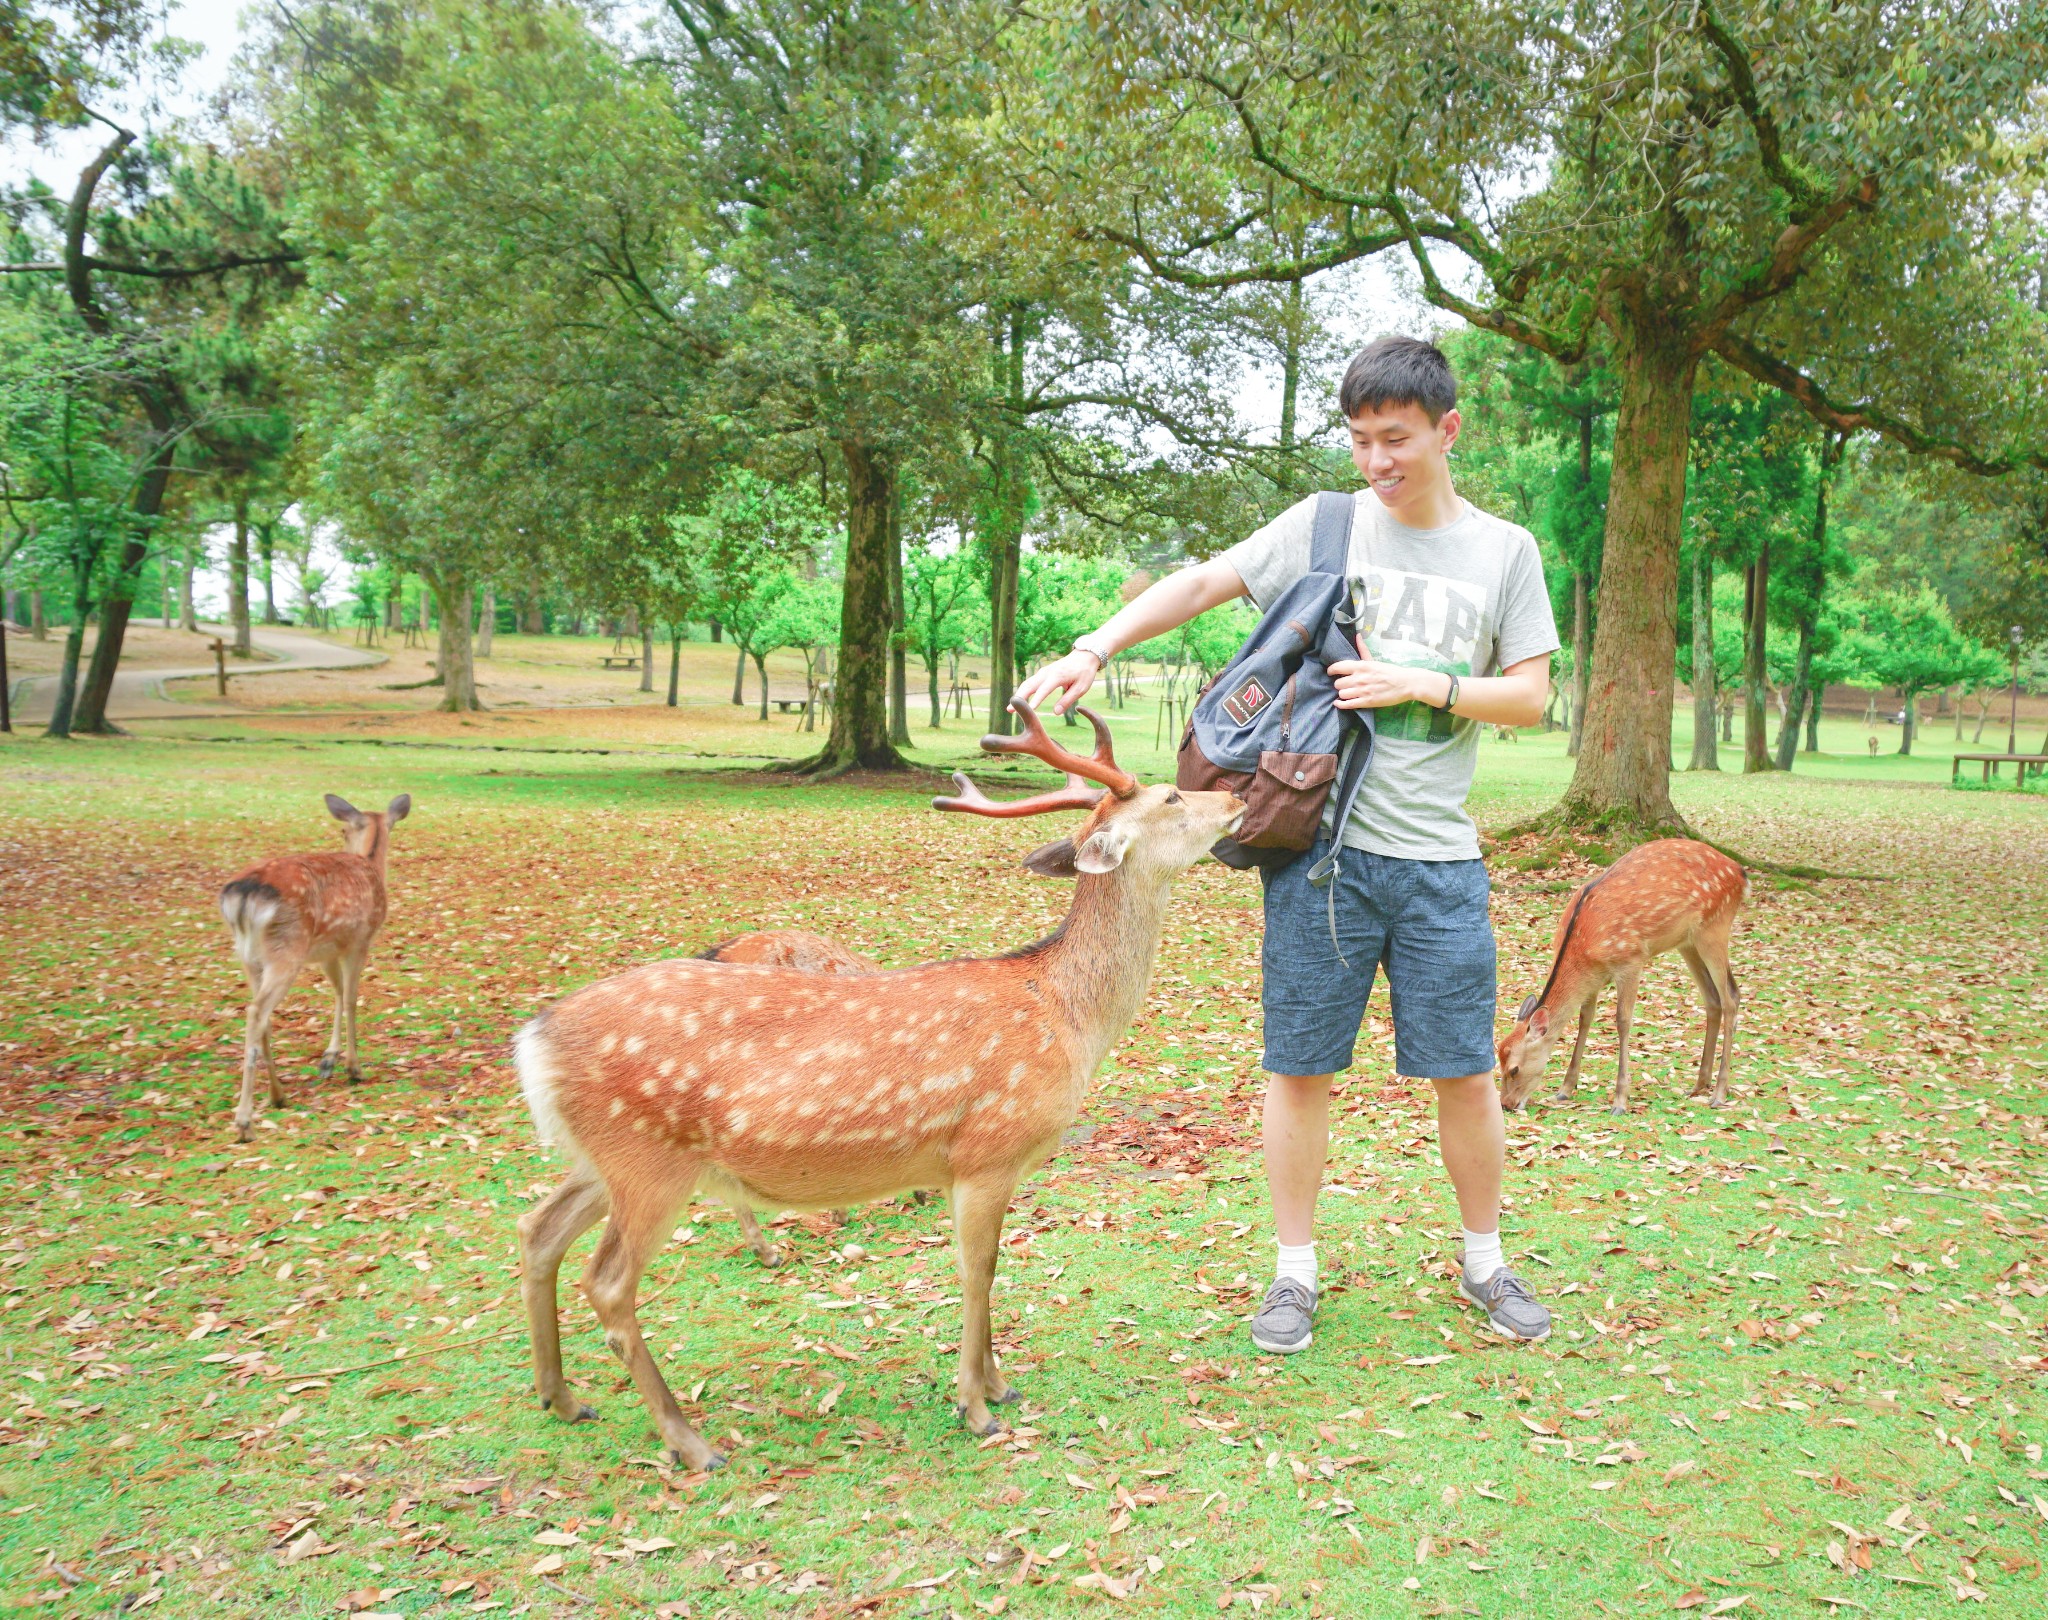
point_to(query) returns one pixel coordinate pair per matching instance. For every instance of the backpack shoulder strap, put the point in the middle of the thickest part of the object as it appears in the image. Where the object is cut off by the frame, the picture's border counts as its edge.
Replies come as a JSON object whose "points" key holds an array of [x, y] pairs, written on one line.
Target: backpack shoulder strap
{"points": [[1329, 545]]}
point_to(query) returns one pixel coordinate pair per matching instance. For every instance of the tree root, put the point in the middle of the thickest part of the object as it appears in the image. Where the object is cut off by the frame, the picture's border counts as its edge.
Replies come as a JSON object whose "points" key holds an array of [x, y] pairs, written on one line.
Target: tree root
{"points": [[1604, 837]]}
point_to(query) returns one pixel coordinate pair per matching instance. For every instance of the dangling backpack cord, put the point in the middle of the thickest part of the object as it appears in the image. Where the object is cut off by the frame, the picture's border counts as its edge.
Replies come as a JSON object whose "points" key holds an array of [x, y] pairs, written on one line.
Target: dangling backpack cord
{"points": [[1268, 728]]}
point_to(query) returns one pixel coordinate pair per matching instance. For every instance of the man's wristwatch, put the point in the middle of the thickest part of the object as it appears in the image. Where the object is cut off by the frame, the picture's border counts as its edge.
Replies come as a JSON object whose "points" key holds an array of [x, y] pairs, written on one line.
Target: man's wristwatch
{"points": [[1451, 697], [1094, 648]]}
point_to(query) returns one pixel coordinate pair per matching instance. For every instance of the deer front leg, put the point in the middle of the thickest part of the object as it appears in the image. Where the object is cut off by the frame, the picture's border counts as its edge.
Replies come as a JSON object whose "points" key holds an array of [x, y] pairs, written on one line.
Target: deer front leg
{"points": [[1710, 1004], [329, 1057], [612, 1283], [1731, 999], [757, 1240], [1569, 1086], [545, 1233], [978, 1211], [351, 982], [1624, 1016]]}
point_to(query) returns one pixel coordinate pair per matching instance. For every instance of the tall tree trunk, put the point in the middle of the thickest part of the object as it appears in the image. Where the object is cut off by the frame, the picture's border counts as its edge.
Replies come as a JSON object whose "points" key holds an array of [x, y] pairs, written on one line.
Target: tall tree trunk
{"points": [[530, 621], [1005, 536], [675, 661], [1983, 714], [487, 620], [1706, 753], [63, 717], [1623, 771], [1756, 600], [163, 589], [646, 649], [267, 541], [188, 565], [454, 661], [1582, 653], [1813, 720], [39, 627], [157, 397], [1802, 694], [717, 632], [739, 677], [931, 670], [238, 581], [1911, 722], [860, 709], [899, 654], [761, 668]]}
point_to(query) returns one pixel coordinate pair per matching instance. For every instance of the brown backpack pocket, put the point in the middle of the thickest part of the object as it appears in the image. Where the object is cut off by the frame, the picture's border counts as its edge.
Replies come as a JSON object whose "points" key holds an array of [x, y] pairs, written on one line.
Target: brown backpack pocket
{"points": [[1285, 800]]}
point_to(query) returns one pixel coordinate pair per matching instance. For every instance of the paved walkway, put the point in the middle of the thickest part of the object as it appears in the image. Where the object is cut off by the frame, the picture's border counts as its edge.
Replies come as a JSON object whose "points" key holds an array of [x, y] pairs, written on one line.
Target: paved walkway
{"points": [[139, 693]]}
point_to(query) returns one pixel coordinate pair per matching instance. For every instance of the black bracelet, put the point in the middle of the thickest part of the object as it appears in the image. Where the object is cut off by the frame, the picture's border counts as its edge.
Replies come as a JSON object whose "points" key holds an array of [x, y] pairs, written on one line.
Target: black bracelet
{"points": [[1451, 697]]}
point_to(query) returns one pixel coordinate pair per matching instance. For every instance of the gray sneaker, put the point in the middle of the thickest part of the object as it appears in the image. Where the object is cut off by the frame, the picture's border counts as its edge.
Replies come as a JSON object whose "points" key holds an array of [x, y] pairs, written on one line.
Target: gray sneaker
{"points": [[1284, 1320], [1509, 1305]]}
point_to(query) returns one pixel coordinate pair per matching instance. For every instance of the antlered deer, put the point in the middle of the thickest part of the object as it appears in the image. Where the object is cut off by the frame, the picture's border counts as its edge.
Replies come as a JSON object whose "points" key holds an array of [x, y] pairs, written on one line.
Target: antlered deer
{"points": [[805, 1091], [807, 952], [1673, 894], [295, 909]]}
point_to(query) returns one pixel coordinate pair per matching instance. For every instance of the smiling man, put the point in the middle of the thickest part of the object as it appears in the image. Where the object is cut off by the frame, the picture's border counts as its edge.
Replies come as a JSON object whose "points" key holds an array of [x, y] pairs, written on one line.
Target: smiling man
{"points": [[1456, 628]]}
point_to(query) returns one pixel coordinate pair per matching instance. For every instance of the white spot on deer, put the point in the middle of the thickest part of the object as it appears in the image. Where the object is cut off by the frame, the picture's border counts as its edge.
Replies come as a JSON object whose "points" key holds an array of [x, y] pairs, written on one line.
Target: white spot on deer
{"points": [[618, 1107], [737, 1119], [634, 1044], [604, 1047], [753, 1004], [808, 1107], [714, 1090], [649, 1087], [1016, 1074], [690, 1022], [725, 1015], [991, 1044], [665, 1068]]}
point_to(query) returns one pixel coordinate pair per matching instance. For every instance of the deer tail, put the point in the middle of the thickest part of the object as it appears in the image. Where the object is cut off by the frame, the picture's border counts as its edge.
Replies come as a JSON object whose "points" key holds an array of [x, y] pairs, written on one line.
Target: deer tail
{"points": [[248, 906], [540, 1075]]}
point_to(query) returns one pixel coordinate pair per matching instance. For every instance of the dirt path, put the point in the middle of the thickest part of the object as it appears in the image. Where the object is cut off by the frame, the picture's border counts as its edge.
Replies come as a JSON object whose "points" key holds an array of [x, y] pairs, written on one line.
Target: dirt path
{"points": [[139, 693]]}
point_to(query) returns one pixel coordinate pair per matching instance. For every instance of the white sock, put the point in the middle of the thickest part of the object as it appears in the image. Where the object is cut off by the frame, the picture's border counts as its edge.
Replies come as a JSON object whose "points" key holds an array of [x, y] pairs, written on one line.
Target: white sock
{"points": [[1482, 1256], [1298, 1260]]}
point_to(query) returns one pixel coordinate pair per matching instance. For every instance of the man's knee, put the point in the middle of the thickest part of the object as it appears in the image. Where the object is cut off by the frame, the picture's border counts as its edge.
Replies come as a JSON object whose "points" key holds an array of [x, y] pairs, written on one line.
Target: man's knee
{"points": [[1299, 1085]]}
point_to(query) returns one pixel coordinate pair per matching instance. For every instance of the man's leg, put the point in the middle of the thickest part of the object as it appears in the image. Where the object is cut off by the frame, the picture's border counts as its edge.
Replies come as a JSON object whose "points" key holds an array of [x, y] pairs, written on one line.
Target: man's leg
{"points": [[1440, 969], [1313, 1006], [1297, 1143]]}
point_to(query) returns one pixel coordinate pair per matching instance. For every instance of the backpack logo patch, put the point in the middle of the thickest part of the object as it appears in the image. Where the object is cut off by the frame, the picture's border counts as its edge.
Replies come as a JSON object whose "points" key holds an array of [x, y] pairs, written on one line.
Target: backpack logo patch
{"points": [[1244, 704]]}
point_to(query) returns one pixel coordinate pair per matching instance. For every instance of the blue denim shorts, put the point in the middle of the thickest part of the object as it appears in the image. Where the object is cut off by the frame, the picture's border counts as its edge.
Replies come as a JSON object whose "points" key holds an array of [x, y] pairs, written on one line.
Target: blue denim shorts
{"points": [[1425, 922]]}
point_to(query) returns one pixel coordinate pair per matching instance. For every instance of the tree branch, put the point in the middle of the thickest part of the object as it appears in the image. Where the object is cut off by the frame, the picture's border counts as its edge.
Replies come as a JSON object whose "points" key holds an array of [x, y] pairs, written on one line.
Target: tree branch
{"points": [[1860, 416], [1807, 197], [176, 272], [1565, 346], [1788, 254]]}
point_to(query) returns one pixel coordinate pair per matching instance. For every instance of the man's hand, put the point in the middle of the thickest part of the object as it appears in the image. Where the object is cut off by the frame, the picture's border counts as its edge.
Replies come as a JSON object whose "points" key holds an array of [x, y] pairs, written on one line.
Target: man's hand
{"points": [[1070, 676], [1366, 683]]}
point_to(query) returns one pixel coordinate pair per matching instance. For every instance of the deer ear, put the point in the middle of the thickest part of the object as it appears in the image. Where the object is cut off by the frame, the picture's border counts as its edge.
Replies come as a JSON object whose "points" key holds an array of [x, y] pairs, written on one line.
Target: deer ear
{"points": [[398, 808], [1539, 1022], [1055, 860], [1104, 850], [342, 810]]}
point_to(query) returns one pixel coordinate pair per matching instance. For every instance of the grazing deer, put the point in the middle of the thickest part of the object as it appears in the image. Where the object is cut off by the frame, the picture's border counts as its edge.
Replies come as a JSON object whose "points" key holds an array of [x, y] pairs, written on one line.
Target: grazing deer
{"points": [[1872, 739], [807, 1091], [292, 909], [1673, 894], [807, 952]]}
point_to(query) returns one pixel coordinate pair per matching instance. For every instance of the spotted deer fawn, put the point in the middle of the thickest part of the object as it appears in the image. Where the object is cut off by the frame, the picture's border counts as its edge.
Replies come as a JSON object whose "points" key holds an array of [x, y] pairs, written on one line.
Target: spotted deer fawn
{"points": [[804, 1091], [807, 952], [295, 909], [1673, 894]]}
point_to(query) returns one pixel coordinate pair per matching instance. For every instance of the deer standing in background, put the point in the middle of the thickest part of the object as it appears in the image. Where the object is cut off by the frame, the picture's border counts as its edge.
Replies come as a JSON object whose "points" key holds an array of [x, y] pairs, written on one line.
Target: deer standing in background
{"points": [[807, 952], [805, 1091], [1675, 894], [294, 909]]}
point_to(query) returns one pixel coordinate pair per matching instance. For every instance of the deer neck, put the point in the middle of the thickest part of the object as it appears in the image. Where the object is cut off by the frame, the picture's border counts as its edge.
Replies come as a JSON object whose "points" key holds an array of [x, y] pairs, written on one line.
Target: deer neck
{"points": [[1100, 962], [380, 846]]}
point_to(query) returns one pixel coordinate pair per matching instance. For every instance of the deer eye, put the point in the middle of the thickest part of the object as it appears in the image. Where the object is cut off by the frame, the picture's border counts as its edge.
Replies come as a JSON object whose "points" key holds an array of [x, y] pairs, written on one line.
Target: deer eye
{"points": [[1173, 796]]}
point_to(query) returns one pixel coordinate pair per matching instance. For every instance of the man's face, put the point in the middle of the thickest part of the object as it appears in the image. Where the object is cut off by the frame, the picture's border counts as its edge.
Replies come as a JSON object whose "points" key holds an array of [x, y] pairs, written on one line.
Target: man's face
{"points": [[1400, 452]]}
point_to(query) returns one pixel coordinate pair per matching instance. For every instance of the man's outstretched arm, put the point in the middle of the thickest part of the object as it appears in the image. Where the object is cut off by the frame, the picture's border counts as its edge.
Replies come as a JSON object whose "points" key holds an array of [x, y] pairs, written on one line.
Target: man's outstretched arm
{"points": [[1164, 605]]}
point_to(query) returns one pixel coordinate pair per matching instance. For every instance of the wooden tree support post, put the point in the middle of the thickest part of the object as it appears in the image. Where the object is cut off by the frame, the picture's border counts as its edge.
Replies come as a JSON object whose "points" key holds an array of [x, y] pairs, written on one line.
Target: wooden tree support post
{"points": [[220, 665]]}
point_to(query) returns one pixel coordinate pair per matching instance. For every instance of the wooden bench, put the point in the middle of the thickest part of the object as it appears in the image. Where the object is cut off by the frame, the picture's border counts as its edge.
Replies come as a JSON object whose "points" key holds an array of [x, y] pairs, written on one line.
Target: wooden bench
{"points": [[620, 661], [786, 704], [1991, 762]]}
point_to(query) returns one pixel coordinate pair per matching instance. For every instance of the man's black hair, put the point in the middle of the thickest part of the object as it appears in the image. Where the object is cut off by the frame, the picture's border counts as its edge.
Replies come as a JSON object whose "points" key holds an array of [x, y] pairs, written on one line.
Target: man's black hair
{"points": [[1398, 371]]}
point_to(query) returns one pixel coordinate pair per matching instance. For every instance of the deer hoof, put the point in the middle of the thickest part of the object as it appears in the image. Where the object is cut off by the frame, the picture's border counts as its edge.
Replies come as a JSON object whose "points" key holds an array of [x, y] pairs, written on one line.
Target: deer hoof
{"points": [[1009, 1397], [1718, 1102], [1618, 1108], [986, 1425], [355, 1076], [769, 1257], [326, 1068], [242, 1130], [710, 1465], [580, 1414]]}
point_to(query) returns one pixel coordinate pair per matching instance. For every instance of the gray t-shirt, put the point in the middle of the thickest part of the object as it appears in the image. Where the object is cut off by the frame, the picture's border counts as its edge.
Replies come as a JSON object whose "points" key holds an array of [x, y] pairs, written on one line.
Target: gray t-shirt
{"points": [[1467, 599]]}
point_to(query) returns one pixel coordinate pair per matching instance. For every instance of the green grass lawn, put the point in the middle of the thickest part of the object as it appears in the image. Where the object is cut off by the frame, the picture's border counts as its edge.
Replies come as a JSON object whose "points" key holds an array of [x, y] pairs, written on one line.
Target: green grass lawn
{"points": [[1800, 1348]]}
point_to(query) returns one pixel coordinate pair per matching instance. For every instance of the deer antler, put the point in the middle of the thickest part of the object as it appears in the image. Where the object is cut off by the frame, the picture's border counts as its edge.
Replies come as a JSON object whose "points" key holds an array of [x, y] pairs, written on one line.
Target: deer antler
{"points": [[1076, 795], [1101, 766]]}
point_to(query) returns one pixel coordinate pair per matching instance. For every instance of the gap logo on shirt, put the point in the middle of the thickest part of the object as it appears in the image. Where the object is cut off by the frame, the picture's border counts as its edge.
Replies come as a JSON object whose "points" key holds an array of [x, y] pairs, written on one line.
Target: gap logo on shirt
{"points": [[1419, 621]]}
